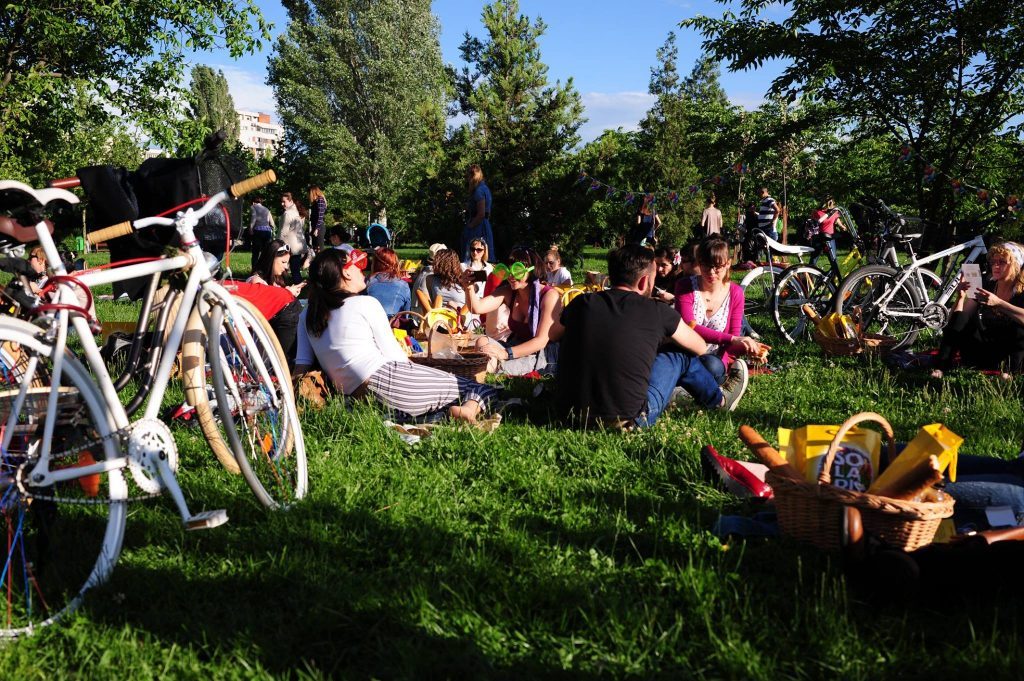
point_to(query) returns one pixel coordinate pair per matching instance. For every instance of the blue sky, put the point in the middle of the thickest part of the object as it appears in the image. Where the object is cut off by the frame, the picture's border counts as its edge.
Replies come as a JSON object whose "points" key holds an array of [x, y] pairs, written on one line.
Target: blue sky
{"points": [[606, 46]]}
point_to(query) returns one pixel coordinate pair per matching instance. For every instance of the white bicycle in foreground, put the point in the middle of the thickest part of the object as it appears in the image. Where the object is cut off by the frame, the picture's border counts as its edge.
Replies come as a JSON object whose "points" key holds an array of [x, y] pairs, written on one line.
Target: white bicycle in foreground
{"points": [[66, 441]]}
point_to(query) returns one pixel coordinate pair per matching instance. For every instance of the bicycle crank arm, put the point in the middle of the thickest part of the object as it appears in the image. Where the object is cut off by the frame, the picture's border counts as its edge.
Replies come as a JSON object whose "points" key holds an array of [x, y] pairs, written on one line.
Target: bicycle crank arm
{"points": [[200, 521]]}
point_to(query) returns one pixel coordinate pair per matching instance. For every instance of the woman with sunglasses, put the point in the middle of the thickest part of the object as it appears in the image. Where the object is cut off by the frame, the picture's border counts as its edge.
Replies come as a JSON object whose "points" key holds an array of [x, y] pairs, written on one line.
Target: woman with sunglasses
{"points": [[270, 271], [987, 324], [534, 311], [350, 336], [554, 273], [713, 306], [477, 262]]}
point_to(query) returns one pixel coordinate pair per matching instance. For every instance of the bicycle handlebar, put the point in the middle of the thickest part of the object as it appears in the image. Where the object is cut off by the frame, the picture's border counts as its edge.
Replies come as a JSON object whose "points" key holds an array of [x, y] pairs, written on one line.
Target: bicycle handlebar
{"points": [[246, 186], [234, 191], [108, 233]]}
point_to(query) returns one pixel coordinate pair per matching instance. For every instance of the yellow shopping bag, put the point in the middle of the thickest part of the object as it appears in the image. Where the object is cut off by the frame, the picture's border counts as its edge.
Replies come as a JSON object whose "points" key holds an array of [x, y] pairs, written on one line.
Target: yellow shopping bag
{"points": [[932, 440], [856, 462]]}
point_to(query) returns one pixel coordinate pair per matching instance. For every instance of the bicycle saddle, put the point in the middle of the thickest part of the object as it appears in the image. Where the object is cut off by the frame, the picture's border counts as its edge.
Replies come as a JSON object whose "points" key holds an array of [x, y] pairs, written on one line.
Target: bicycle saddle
{"points": [[25, 206], [901, 238], [779, 247]]}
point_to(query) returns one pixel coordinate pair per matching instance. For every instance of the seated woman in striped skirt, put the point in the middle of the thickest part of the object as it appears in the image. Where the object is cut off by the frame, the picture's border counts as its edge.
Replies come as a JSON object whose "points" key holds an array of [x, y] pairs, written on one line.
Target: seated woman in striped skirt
{"points": [[349, 335]]}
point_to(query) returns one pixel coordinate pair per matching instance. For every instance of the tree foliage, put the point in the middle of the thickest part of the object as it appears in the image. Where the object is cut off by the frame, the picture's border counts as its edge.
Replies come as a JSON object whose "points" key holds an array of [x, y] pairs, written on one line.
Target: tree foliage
{"points": [[943, 75], [130, 55], [211, 102], [521, 128], [360, 89]]}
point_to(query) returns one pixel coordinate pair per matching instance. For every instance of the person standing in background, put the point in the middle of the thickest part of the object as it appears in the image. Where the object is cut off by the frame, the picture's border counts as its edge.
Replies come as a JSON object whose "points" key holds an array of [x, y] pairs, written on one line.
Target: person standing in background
{"points": [[478, 212], [768, 214], [293, 235], [261, 228], [647, 223], [317, 218], [711, 218]]}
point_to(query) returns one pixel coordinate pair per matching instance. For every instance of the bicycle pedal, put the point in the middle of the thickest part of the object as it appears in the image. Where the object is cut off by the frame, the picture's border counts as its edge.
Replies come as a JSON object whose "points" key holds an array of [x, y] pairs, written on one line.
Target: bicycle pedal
{"points": [[206, 520]]}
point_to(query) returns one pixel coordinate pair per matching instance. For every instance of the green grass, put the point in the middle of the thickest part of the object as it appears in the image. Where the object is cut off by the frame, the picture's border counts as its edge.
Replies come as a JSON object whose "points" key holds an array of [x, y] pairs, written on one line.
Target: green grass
{"points": [[532, 552]]}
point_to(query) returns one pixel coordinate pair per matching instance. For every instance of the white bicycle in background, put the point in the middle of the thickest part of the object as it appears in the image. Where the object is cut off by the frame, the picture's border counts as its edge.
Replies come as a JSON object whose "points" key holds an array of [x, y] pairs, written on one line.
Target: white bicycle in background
{"points": [[66, 440]]}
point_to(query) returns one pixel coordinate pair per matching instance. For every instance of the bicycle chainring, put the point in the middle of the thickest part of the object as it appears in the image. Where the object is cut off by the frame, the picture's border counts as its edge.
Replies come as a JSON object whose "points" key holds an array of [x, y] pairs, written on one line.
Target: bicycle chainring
{"points": [[149, 439], [934, 316]]}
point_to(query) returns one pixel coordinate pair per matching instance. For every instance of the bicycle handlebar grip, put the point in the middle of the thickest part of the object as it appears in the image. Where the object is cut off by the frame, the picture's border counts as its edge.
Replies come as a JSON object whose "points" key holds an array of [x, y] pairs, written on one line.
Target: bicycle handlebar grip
{"points": [[108, 233], [246, 186]]}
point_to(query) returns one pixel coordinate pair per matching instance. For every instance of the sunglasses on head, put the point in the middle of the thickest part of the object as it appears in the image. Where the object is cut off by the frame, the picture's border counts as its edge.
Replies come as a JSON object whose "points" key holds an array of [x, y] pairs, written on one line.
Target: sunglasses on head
{"points": [[517, 271], [357, 259], [283, 248]]}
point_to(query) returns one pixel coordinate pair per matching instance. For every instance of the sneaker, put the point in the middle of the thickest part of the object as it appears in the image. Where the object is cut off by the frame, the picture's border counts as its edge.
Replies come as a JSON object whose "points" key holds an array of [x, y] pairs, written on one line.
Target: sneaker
{"points": [[738, 479], [123, 298], [735, 384], [680, 396], [754, 334]]}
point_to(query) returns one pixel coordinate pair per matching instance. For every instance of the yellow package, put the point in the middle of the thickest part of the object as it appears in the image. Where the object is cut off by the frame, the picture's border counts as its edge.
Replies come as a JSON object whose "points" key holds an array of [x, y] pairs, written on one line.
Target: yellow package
{"points": [[856, 462], [934, 439]]}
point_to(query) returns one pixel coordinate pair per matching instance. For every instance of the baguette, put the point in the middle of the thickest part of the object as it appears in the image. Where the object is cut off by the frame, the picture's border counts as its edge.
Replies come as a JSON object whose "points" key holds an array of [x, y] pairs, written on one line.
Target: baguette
{"points": [[768, 455], [915, 483]]}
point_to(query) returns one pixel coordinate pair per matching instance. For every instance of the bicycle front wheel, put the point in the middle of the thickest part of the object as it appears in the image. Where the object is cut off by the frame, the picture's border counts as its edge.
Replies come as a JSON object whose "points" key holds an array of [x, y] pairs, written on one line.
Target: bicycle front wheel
{"points": [[758, 287], [63, 539], [256, 405], [884, 308], [799, 285]]}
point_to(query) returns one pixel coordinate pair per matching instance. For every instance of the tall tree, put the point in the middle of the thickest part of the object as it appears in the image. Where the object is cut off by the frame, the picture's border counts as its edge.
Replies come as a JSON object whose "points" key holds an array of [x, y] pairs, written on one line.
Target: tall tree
{"points": [[521, 127], [944, 76], [211, 101], [131, 56], [360, 88]]}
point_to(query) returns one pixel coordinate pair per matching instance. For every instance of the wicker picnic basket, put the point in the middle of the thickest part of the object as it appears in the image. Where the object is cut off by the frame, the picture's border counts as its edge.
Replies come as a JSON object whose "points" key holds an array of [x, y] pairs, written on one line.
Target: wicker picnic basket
{"points": [[471, 365], [842, 347], [814, 511]]}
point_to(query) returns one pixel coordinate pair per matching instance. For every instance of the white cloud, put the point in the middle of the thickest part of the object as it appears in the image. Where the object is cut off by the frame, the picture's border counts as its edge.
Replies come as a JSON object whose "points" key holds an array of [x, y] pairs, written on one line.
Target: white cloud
{"points": [[249, 90], [611, 110]]}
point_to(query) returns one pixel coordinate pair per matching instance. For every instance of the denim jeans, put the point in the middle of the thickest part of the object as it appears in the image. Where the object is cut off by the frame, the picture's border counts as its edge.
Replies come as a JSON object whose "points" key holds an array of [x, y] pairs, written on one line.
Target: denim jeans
{"points": [[678, 369], [984, 481], [715, 366]]}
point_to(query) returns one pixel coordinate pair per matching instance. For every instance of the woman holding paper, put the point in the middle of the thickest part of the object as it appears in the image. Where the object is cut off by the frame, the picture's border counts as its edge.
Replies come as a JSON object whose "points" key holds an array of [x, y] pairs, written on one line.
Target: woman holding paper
{"points": [[987, 325]]}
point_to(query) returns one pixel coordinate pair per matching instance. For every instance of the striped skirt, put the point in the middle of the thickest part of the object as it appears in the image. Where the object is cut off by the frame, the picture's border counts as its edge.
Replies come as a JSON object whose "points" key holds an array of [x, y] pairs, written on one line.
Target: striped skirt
{"points": [[415, 390]]}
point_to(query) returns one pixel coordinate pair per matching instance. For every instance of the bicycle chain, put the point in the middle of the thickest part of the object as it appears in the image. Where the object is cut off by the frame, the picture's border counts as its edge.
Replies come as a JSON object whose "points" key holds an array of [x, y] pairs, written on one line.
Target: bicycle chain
{"points": [[56, 456]]}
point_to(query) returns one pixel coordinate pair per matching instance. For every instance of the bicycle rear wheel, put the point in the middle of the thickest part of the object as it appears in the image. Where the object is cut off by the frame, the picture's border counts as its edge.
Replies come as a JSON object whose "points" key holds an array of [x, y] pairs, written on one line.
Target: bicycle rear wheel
{"points": [[900, 316], [63, 539], [799, 285], [257, 407]]}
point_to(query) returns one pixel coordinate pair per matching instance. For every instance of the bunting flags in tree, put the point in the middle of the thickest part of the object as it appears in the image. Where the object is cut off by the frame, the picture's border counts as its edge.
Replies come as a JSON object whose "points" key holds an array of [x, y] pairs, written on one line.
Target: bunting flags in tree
{"points": [[957, 185], [670, 196]]}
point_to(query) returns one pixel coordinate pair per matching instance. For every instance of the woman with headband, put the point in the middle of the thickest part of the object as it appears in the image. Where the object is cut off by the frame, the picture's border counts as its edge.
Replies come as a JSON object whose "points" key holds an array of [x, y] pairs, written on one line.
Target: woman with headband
{"points": [[987, 325], [349, 335]]}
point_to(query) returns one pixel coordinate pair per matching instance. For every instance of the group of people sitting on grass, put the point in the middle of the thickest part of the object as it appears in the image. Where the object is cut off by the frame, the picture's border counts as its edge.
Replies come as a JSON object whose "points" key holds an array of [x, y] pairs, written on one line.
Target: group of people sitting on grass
{"points": [[619, 356]]}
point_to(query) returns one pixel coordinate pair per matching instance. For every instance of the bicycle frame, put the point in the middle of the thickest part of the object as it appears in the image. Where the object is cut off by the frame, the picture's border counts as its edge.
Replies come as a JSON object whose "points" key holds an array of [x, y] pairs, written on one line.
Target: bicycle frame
{"points": [[977, 248], [200, 286]]}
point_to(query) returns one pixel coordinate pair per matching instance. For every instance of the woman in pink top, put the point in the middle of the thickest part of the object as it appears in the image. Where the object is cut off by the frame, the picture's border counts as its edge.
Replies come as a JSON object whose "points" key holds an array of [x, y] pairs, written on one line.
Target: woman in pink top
{"points": [[713, 306]]}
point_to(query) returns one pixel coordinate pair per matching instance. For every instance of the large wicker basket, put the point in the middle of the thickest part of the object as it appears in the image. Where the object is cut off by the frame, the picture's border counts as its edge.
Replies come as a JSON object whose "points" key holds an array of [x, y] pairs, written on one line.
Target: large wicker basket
{"points": [[863, 342], [471, 364], [814, 512]]}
